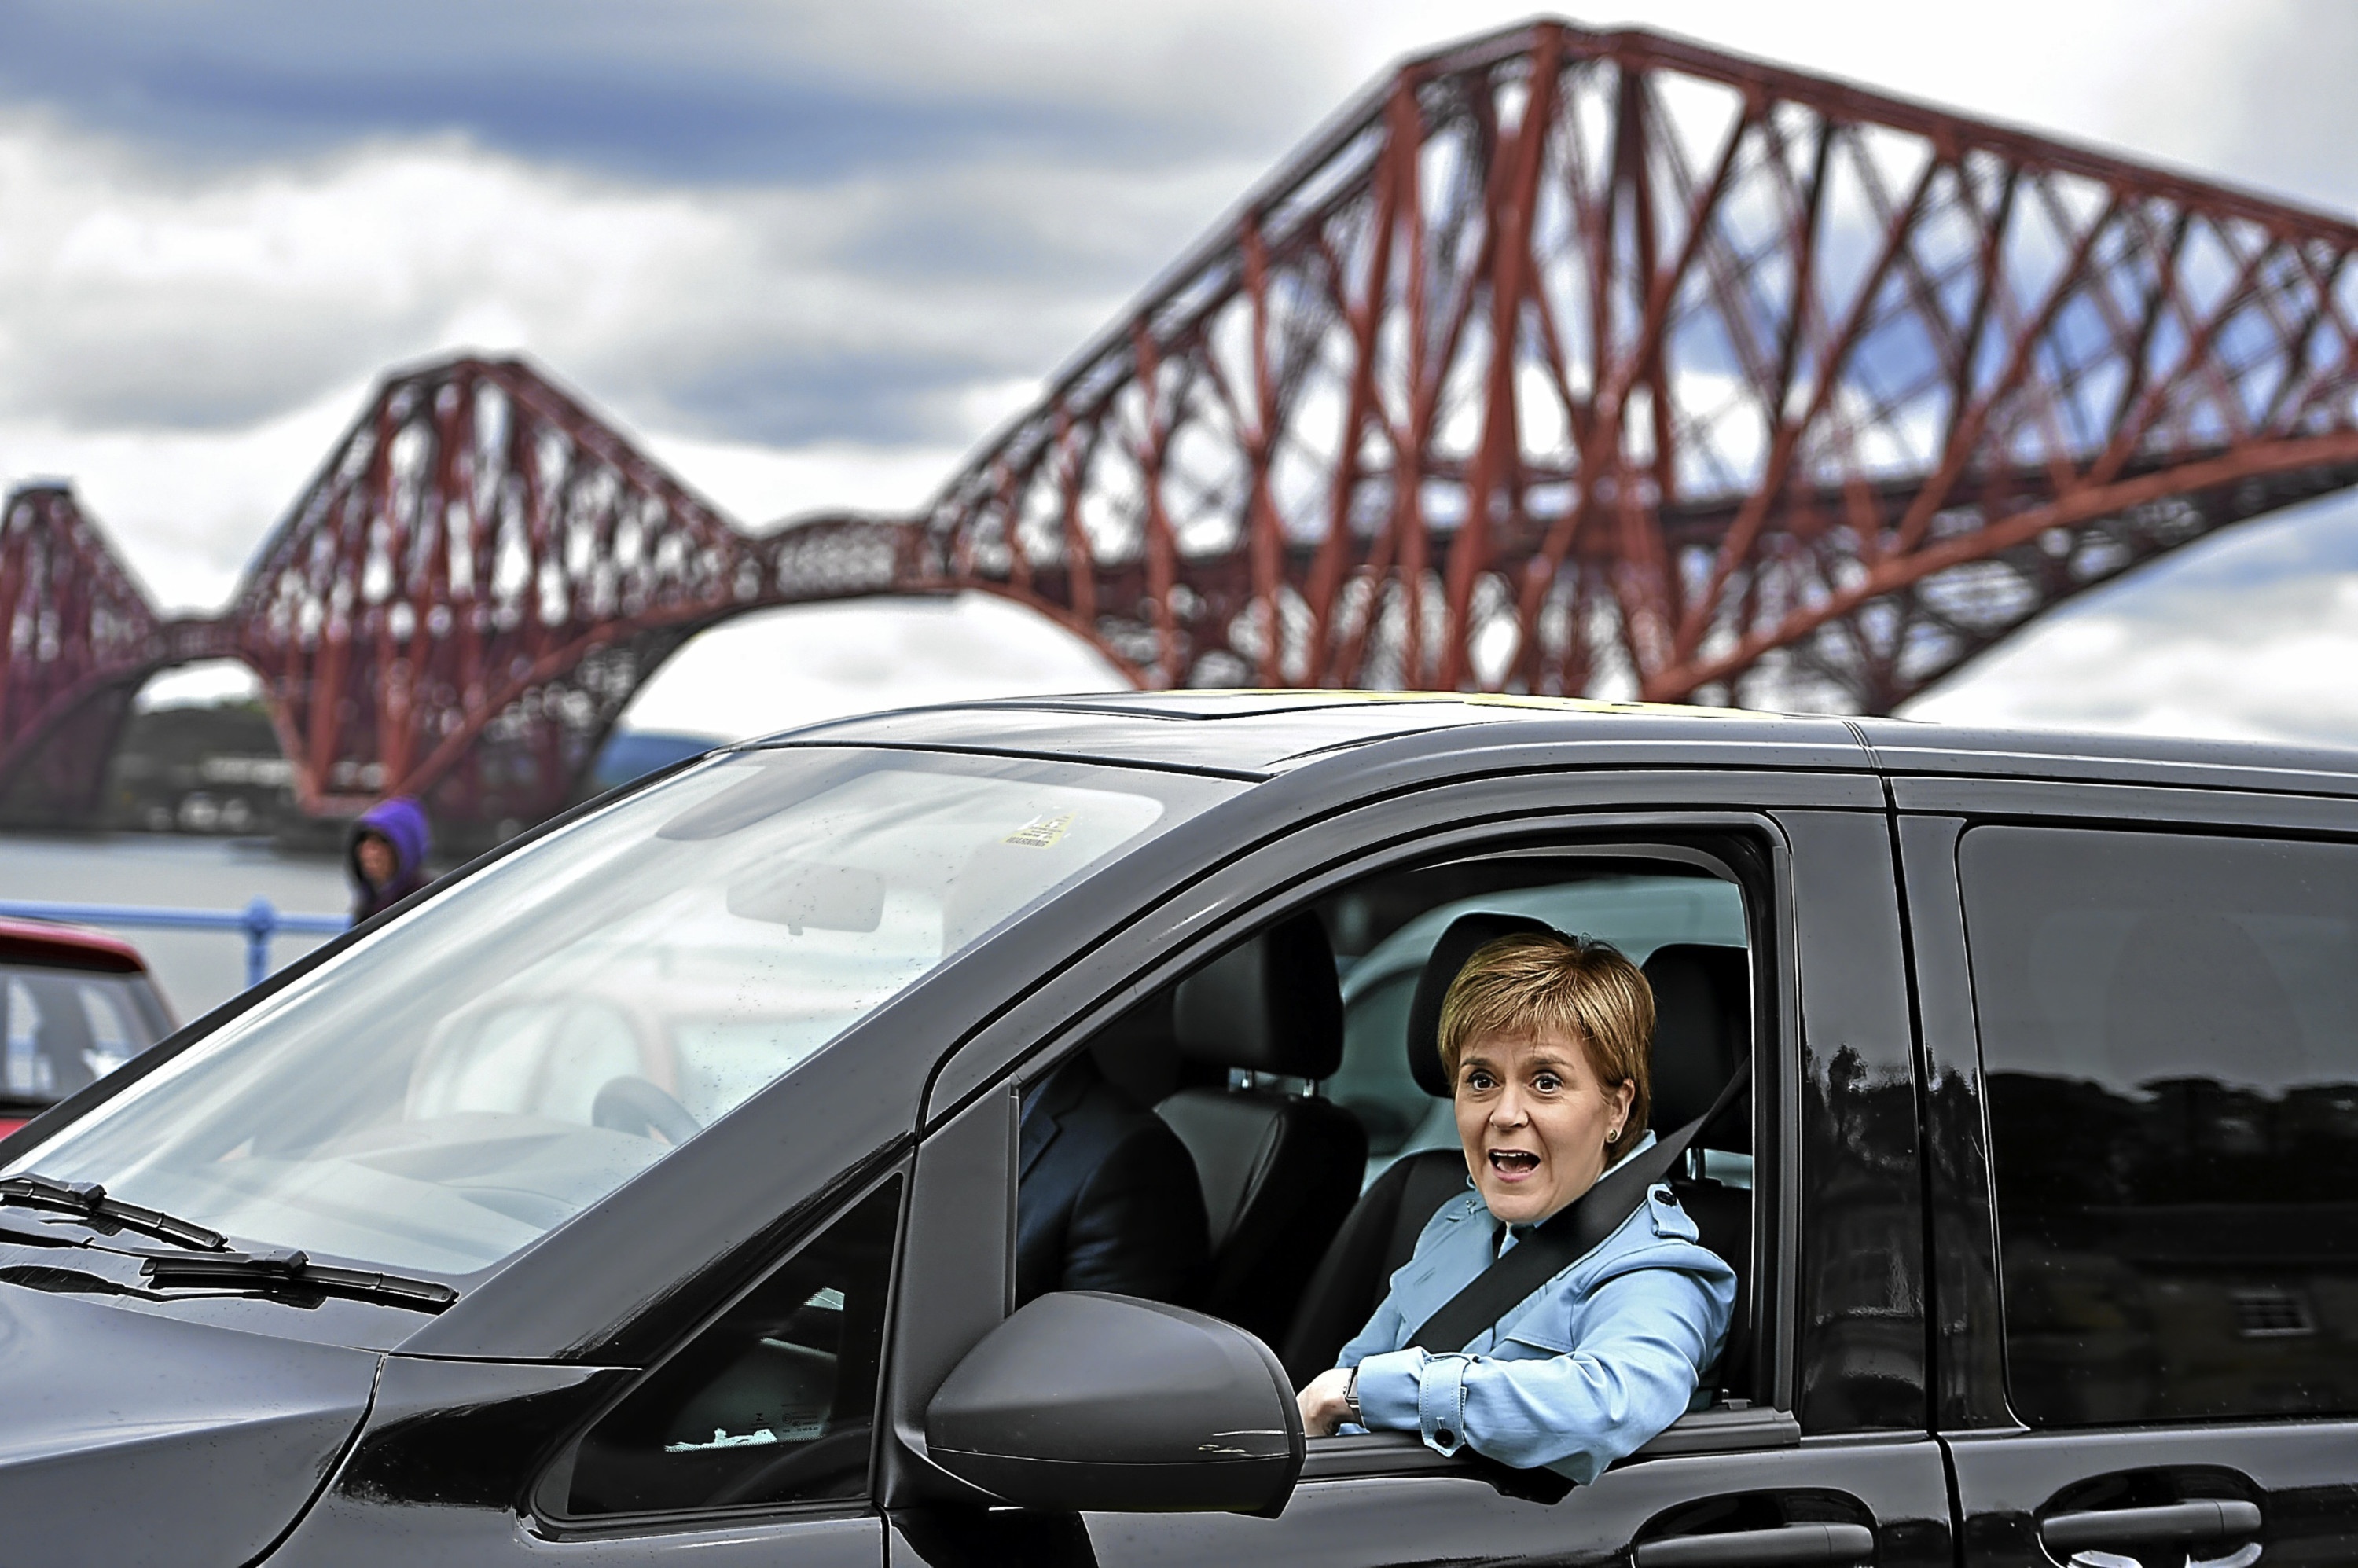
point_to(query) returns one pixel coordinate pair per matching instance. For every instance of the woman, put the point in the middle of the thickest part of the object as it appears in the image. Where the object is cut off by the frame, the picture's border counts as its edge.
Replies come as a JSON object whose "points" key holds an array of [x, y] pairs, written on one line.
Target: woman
{"points": [[386, 854], [1547, 1040]]}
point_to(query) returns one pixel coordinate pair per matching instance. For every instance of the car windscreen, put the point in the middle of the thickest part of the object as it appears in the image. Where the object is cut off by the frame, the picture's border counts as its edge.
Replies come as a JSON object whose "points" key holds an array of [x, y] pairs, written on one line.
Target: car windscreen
{"points": [[472, 1075]]}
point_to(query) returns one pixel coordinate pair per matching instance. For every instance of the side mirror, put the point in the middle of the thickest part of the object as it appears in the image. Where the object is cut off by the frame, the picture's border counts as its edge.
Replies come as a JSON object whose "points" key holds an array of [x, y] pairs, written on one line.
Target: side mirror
{"points": [[1087, 1401]]}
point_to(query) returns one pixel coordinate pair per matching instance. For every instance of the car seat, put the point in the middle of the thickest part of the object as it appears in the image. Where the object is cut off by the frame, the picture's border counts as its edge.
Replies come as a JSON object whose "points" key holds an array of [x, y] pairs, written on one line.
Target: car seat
{"points": [[1701, 1012], [1702, 1027], [1280, 1170]]}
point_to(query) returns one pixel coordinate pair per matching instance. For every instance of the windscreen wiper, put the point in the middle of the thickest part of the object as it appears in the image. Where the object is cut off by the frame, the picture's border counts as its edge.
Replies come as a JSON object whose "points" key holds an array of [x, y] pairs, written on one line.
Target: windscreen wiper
{"points": [[283, 1269], [88, 1202]]}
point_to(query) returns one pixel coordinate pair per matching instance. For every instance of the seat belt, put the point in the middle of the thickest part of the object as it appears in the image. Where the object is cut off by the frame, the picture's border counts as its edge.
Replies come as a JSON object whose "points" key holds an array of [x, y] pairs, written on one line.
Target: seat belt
{"points": [[1568, 1237]]}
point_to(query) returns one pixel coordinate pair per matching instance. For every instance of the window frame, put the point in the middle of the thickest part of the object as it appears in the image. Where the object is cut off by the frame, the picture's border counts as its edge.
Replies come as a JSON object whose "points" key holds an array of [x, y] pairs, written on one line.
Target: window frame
{"points": [[2205, 834], [1713, 865], [975, 1108], [1933, 813], [545, 1495]]}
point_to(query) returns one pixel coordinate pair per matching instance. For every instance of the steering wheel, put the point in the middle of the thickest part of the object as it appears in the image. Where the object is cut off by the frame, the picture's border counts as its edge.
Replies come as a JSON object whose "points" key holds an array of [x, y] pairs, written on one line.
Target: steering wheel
{"points": [[633, 1105]]}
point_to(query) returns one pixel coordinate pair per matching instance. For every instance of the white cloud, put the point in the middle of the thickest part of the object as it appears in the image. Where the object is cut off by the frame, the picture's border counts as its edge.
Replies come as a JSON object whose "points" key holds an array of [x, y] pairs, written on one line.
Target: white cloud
{"points": [[2274, 666], [186, 508], [780, 669], [186, 352], [185, 337], [759, 485], [201, 686]]}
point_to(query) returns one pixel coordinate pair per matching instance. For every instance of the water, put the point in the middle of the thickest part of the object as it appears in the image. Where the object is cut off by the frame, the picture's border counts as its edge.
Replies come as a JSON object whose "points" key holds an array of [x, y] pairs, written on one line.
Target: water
{"points": [[195, 971]]}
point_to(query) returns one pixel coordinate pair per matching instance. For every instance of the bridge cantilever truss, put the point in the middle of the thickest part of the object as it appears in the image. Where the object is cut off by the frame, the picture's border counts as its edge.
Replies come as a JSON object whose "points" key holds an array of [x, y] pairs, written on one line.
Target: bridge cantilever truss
{"points": [[459, 606], [1562, 361], [1570, 362]]}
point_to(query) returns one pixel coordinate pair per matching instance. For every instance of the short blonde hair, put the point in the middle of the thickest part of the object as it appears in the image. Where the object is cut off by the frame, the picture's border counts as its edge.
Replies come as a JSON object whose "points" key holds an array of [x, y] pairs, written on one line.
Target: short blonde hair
{"points": [[1538, 982]]}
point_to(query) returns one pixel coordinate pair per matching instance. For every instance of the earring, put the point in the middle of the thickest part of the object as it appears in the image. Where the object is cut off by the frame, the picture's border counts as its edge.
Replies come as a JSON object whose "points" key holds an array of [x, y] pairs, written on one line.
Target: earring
{"points": [[1613, 1136]]}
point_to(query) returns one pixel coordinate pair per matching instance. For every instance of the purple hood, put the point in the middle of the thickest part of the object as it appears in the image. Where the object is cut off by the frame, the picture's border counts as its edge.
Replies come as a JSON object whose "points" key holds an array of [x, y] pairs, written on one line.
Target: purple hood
{"points": [[401, 822]]}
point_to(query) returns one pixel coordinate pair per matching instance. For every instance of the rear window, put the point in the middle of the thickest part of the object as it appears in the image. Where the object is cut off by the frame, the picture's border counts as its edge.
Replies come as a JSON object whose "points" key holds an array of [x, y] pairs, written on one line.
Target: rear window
{"points": [[2170, 1034], [62, 1028]]}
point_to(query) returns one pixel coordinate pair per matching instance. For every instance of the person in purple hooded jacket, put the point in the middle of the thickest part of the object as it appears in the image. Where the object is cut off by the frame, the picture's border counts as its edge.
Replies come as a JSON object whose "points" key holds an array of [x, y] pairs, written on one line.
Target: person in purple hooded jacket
{"points": [[387, 852]]}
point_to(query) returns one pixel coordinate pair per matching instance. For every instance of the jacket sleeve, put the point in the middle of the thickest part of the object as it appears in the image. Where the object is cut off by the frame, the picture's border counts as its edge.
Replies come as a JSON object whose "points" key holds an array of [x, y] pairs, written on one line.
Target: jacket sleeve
{"points": [[1383, 1331], [1137, 1225], [1389, 1326], [1646, 1336]]}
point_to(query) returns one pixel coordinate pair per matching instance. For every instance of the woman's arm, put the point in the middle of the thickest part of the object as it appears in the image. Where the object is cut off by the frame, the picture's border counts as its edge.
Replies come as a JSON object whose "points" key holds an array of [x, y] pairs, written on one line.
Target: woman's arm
{"points": [[1645, 1336], [1384, 1331], [1323, 1410], [1325, 1403]]}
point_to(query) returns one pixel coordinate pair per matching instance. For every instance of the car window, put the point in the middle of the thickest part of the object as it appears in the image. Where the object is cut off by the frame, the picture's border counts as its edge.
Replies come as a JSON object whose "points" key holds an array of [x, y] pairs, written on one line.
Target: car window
{"points": [[62, 1028], [1636, 913], [1304, 1187], [773, 1403], [1374, 1081], [2170, 1034], [471, 1076]]}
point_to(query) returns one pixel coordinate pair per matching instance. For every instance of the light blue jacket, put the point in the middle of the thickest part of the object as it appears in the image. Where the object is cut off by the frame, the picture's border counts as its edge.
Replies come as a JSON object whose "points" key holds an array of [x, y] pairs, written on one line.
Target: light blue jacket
{"points": [[1585, 1369]]}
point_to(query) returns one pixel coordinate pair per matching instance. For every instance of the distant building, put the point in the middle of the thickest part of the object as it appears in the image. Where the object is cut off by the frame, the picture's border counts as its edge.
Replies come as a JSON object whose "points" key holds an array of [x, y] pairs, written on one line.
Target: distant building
{"points": [[211, 769]]}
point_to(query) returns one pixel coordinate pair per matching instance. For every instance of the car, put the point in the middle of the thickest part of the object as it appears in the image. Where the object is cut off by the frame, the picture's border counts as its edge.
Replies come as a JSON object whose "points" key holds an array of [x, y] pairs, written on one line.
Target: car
{"points": [[75, 1004], [647, 1192]]}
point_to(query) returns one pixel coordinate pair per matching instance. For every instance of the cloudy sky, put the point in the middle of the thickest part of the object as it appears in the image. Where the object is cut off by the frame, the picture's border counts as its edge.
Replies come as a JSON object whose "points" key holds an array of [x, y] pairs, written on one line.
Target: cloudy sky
{"points": [[811, 252]]}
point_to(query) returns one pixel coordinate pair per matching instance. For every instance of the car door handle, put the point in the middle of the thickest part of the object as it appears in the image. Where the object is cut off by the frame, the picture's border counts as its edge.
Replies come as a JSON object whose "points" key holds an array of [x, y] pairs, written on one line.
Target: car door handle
{"points": [[1794, 1543], [2173, 1524]]}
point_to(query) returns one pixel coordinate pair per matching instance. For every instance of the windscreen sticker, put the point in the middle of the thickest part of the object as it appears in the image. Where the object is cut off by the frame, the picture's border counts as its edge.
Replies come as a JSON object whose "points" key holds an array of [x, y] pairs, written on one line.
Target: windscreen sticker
{"points": [[1042, 832]]}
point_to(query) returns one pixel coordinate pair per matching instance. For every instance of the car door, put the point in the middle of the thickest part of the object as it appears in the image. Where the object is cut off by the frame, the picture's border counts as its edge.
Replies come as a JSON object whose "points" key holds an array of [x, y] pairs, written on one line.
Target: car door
{"points": [[749, 1444], [1830, 1463], [2140, 1014]]}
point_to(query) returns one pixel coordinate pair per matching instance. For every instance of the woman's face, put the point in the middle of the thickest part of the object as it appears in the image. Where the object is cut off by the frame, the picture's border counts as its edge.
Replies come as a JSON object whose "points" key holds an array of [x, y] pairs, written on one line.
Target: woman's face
{"points": [[376, 858], [1534, 1122]]}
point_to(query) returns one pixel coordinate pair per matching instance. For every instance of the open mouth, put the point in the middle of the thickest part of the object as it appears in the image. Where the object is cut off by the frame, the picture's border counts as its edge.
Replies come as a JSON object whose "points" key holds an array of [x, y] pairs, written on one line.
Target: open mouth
{"points": [[1513, 1163]]}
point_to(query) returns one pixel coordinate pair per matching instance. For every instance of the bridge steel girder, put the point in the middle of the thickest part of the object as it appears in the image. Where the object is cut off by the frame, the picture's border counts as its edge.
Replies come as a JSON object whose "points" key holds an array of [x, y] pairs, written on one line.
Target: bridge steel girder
{"points": [[1561, 361], [77, 635], [468, 594], [458, 606], [1808, 395]]}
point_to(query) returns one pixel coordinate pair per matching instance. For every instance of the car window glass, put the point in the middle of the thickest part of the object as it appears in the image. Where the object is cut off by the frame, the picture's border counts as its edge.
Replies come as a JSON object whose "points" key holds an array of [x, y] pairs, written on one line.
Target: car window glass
{"points": [[1287, 1225], [773, 1403], [110, 1039], [1374, 1080], [2170, 1034], [467, 1078], [62, 1028], [1636, 913], [31, 1069]]}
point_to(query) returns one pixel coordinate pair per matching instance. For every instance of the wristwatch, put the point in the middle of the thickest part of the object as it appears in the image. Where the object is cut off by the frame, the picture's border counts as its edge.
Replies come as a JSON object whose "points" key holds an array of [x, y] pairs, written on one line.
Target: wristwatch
{"points": [[1351, 1397]]}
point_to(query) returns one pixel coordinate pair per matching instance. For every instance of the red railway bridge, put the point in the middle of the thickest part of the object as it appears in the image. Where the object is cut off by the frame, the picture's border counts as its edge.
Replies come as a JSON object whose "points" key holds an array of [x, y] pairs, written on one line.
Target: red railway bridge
{"points": [[1561, 361]]}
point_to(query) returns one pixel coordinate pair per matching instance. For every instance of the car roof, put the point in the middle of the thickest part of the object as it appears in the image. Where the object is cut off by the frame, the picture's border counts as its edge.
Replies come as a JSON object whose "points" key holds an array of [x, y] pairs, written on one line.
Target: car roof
{"points": [[1256, 734], [75, 946]]}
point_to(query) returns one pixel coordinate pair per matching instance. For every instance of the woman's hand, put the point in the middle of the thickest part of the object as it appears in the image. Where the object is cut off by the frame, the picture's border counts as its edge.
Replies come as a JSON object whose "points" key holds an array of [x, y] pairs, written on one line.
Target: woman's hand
{"points": [[1321, 1400]]}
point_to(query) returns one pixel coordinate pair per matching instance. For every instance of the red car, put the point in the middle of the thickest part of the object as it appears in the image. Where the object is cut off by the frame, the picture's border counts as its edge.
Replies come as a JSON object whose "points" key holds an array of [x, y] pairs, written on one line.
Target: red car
{"points": [[75, 1004]]}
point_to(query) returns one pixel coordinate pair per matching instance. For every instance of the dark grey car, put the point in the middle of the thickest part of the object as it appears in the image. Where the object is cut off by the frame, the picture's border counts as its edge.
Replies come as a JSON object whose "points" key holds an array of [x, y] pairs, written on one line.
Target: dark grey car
{"points": [[646, 1192]]}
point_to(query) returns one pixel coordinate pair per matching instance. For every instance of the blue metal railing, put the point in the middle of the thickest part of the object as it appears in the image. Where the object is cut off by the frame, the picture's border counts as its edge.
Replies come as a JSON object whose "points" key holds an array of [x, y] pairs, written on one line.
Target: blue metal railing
{"points": [[260, 920]]}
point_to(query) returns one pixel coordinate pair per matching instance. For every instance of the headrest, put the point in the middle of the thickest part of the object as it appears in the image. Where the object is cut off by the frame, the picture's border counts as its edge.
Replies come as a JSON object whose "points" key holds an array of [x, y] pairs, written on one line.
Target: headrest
{"points": [[1137, 1052], [1270, 1005], [1703, 1021], [1466, 936]]}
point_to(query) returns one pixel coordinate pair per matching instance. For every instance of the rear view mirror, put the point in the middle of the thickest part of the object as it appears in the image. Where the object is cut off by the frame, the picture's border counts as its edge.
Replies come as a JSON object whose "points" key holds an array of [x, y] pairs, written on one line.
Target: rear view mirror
{"points": [[1085, 1400]]}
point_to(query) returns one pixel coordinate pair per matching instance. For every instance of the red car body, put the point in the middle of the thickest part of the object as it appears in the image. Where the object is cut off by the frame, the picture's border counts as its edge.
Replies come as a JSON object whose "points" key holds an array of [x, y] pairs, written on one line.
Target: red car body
{"points": [[74, 1005]]}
